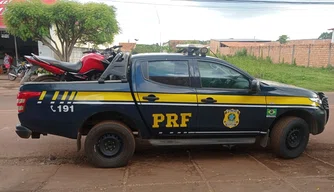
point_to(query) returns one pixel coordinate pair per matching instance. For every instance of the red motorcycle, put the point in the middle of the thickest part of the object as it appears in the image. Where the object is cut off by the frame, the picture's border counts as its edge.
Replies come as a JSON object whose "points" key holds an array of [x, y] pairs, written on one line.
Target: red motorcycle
{"points": [[89, 68]]}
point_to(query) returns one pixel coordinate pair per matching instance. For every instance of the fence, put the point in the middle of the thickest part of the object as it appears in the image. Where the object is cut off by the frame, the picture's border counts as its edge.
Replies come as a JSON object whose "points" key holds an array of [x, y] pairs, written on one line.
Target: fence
{"points": [[311, 55]]}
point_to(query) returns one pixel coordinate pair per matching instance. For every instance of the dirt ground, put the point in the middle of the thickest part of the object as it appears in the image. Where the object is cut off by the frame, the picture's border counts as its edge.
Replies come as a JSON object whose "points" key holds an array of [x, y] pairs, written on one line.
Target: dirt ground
{"points": [[52, 164]]}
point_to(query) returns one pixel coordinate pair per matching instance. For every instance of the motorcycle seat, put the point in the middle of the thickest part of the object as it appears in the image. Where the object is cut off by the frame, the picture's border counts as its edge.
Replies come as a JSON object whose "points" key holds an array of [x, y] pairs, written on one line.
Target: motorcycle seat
{"points": [[67, 66]]}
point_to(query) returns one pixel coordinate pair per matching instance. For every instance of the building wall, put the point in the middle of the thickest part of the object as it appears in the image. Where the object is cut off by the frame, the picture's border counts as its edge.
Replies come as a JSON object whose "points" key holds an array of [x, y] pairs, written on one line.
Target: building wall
{"points": [[214, 46], [314, 54], [45, 50], [77, 54]]}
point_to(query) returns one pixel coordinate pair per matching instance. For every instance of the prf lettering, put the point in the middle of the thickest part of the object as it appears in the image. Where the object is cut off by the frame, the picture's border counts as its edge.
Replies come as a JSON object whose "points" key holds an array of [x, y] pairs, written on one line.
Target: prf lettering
{"points": [[171, 119]]}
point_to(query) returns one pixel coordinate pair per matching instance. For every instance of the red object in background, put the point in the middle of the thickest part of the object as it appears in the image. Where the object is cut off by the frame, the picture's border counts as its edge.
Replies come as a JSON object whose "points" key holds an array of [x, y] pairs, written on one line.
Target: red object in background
{"points": [[2, 8], [10, 60], [3, 5]]}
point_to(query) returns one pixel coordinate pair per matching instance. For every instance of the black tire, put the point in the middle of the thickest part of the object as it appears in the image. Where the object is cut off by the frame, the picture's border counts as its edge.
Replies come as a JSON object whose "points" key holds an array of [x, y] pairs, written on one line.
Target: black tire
{"points": [[46, 78], [119, 153], [10, 77], [289, 137]]}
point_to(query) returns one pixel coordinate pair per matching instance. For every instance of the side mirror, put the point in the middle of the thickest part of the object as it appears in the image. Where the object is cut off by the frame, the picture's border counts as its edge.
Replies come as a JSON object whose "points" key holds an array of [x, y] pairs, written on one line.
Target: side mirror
{"points": [[255, 86]]}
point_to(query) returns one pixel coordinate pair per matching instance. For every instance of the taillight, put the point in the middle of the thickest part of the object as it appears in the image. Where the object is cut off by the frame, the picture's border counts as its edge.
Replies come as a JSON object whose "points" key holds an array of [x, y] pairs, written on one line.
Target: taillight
{"points": [[22, 98]]}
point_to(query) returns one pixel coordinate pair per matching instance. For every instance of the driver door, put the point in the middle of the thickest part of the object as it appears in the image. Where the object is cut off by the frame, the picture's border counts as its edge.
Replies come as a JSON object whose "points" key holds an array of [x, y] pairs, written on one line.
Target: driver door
{"points": [[226, 105]]}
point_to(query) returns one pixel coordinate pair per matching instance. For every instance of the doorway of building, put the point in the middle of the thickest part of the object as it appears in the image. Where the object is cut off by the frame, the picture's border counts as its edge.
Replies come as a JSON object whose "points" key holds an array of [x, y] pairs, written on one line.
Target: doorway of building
{"points": [[7, 45]]}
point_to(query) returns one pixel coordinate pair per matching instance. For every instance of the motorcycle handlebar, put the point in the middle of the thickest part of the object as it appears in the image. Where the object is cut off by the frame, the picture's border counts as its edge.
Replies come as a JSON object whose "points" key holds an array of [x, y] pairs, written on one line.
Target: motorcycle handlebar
{"points": [[117, 46], [90, 51]]}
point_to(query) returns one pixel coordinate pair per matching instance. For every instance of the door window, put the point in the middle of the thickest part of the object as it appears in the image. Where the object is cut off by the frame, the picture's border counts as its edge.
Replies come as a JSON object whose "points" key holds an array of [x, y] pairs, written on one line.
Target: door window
{"points": [[169, 72], [215, 75]]}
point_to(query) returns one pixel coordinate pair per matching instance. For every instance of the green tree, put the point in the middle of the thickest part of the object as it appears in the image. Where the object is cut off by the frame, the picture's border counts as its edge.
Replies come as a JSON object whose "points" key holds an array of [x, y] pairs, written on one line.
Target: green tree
{"points": [[326, 35], [283, 39], [71, 21]]}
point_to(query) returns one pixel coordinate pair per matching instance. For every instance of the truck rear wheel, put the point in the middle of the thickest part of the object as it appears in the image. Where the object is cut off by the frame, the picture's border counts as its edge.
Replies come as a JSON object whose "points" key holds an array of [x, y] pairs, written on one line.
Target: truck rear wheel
{"points": [[46, 78], [109, 144], [289, 137]]}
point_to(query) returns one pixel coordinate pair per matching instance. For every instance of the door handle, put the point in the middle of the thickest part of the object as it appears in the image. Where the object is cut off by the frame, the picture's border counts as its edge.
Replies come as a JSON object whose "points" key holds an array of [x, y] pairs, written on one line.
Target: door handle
{"points": [[209, 100], [151, 98]]}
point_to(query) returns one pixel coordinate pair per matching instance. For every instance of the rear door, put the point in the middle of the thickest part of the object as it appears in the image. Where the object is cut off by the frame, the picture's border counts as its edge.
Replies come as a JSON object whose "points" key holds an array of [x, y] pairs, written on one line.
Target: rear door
{"points": [[166, 98], [226, 106]]}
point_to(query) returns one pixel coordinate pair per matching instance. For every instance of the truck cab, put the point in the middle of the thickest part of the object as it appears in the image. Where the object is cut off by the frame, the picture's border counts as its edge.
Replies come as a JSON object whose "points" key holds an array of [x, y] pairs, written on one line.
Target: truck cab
{"points": [[187, 95]]}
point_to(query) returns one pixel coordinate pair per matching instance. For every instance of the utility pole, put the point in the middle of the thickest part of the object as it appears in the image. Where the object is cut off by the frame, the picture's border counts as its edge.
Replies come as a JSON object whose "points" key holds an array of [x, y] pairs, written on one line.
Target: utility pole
{"points": [[156, 10], [332, 29], [16, 54], [330, 48]]}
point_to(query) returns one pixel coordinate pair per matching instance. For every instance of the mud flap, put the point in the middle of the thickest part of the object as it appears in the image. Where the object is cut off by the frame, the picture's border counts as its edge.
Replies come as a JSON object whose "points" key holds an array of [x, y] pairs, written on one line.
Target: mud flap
{"points": [[78, 142], [264, 140]]}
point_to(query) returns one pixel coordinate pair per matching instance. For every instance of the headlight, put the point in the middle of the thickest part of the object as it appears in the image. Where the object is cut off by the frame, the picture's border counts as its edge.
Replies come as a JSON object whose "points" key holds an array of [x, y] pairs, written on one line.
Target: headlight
{"points": [[316, 100]]}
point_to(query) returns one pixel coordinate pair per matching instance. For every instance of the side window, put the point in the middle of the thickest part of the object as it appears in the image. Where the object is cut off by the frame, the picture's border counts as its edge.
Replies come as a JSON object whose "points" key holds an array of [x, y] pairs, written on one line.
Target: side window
{"points": [[215, 75], [169, 72]]}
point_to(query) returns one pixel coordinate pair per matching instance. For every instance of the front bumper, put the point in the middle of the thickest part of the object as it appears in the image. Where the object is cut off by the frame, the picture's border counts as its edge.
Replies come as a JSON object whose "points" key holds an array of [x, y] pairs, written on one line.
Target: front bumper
{"points": [[325, 104], [321, 118], [23, 132]]}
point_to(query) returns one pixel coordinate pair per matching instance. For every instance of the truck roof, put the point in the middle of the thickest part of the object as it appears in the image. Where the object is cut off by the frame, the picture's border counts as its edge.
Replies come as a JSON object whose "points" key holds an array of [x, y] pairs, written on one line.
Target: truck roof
{"points": [[144, 55], [156, 54]]}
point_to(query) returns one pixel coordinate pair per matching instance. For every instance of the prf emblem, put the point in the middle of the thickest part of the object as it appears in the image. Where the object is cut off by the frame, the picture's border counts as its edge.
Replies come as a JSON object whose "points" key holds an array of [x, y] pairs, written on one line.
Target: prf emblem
{"points": [[231, 118], [172, 120]]}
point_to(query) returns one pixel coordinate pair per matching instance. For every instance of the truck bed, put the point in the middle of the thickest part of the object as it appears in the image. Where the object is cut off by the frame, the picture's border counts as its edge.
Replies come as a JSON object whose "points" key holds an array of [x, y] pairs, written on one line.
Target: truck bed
{"points": [[59, 103]]}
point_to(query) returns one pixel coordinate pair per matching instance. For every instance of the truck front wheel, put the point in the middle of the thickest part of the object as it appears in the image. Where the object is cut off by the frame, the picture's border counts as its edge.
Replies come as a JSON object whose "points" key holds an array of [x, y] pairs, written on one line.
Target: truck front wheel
{"points": [[289, 137], [109, 144]]}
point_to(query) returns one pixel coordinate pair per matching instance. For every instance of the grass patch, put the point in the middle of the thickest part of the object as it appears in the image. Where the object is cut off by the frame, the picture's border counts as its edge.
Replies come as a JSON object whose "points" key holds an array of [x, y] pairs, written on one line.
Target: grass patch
{"points": [[318, 79]]}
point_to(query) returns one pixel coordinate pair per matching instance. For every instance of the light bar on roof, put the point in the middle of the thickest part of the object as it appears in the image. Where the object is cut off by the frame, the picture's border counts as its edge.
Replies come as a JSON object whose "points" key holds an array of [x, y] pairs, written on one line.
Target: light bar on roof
{"points": [[198, 46], [193, 49]]}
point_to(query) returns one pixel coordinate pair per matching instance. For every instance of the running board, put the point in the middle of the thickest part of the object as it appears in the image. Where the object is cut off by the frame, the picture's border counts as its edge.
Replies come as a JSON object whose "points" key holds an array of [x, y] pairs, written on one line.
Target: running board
{"points": [[213, 141]]}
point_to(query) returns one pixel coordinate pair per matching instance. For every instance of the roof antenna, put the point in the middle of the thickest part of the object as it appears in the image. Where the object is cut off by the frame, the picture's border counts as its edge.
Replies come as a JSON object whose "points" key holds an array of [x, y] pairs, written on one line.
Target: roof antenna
{"points": [[214, 54]]}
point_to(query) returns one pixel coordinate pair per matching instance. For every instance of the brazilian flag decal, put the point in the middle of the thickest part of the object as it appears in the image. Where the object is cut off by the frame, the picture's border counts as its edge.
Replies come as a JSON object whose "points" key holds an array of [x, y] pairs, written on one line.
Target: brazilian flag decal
{"points": [[271, 112]]}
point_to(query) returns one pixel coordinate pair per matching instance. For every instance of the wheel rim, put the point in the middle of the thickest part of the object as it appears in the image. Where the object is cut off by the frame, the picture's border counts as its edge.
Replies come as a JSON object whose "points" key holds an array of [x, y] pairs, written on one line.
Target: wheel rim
{"points": [[294, 137], [11, 78], [109, 145]]}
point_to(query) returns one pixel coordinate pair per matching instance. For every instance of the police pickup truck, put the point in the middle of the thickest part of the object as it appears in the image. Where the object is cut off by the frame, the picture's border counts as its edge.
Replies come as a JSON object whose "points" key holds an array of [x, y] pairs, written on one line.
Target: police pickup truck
{"points": [[184, 98]]}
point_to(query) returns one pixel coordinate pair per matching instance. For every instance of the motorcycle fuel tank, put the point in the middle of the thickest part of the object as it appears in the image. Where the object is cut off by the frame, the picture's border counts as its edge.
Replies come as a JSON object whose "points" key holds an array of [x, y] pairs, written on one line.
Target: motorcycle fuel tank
{"points": [[91, 62]]}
